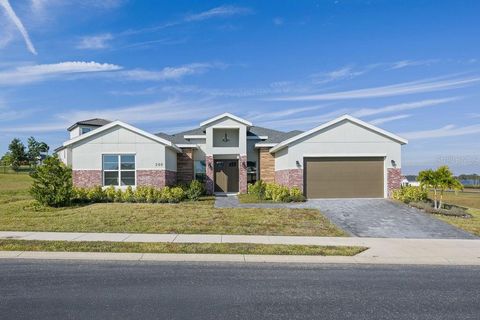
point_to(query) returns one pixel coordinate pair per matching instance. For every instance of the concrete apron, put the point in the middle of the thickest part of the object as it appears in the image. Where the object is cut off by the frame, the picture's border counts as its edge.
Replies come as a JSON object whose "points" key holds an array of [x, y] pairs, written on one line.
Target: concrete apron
{"points": [[381, 250]]}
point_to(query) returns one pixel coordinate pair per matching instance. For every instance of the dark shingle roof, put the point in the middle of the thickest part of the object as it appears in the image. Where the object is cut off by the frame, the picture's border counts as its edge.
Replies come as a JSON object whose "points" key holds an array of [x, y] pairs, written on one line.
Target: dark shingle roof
{"points": [[274, 136], [97, 122]]}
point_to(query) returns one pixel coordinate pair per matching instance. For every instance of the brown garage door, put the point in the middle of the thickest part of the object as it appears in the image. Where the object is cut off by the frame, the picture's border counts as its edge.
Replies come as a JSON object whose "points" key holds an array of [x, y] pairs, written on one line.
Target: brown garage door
{"points": [[344, 177]]}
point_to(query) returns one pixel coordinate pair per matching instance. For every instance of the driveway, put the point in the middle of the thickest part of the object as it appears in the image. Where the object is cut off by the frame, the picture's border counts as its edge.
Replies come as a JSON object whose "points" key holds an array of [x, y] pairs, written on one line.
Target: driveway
{"points": [[377, 218], [385, 219]]}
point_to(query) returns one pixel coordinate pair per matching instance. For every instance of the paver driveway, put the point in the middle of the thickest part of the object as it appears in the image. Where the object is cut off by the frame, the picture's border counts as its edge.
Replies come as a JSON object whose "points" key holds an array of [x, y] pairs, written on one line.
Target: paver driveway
{"points": [[384, 218]]}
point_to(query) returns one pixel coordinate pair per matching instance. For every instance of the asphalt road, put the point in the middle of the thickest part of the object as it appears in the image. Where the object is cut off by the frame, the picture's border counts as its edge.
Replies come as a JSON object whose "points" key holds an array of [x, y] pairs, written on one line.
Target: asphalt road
{"points": [[121, 290]]}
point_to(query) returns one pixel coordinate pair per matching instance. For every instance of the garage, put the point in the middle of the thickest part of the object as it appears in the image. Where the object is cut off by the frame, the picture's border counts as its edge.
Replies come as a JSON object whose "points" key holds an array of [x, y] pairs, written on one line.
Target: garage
{"points": [[344, 177]]}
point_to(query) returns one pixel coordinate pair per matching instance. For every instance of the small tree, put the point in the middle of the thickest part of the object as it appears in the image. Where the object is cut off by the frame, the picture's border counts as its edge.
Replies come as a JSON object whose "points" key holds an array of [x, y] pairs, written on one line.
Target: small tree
{"points": [[35, 149], [17, 153], [447, 182], [438, 180], [52, 183]]}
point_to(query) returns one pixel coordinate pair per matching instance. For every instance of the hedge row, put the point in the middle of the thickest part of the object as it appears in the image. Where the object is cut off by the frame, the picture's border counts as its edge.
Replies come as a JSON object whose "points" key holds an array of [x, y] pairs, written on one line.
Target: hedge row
{"points": [[139, 195], [275, 192]]}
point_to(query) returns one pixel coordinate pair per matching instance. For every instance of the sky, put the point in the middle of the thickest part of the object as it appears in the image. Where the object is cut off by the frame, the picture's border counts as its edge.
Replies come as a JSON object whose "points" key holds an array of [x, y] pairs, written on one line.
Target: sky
{"points": [[409, 67]]}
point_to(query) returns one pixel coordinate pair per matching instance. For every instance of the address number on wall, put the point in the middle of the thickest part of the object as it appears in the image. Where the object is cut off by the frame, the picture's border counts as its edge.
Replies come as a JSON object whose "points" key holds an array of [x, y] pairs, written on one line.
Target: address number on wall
{"points": [[158, 164]]}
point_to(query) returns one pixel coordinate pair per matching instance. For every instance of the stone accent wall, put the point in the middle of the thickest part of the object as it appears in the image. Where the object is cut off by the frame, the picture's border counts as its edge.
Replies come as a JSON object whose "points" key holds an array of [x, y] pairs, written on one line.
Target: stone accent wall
{"points": [[242, 174], [185, 166], [290, 178], [394, 180], [87, 178], [266, 165], [156, 178], [209, 185]]}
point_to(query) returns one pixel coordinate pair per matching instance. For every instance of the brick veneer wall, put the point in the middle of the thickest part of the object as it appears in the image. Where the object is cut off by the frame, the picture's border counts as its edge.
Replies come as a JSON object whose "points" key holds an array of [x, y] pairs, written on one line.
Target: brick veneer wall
{"points": [[242, 174], [209, 185], [156, 178], [87, 178], [185, 166], [290, 178], [394, 180], [266, 165]]}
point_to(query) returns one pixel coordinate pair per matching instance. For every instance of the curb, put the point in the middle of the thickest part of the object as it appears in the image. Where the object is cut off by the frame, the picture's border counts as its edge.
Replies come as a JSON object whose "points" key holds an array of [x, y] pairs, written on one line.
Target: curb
{"points": [[238, 258]]}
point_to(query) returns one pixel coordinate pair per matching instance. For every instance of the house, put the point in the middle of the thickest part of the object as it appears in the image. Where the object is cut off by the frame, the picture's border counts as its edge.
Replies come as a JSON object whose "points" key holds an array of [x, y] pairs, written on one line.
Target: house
{"points": [[410, 181], [343, 158]]}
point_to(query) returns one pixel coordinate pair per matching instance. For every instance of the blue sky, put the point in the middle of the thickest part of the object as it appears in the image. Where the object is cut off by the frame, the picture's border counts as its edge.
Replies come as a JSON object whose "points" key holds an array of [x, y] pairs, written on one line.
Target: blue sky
{"points": [[410, 67]]}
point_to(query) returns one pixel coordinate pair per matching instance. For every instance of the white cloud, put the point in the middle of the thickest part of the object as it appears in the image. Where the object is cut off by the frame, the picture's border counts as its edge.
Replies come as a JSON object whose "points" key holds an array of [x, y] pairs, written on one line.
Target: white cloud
{"points": [[402, 107], [37, 128], [346, 72], [162, 112], [305, 122], [388, 119], [168, 73], [218, 12], [411, 63], [270, 115], [18, 23], [400, 89], [446, 131], [99, 41], [33, 73]]}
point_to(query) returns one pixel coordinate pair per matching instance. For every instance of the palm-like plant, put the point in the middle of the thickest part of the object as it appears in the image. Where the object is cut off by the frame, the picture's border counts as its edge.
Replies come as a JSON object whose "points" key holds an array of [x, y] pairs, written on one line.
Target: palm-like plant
{"points": [[439, 180]]}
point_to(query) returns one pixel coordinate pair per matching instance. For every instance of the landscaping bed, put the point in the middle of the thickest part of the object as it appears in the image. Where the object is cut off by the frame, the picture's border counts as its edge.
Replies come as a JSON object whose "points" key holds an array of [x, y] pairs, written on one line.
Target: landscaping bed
{"points": [[199, 248]]}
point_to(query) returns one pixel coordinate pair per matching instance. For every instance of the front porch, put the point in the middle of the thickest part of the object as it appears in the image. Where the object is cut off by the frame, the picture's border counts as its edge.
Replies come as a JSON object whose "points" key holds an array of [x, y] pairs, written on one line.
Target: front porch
{"points": [[226, 174]]}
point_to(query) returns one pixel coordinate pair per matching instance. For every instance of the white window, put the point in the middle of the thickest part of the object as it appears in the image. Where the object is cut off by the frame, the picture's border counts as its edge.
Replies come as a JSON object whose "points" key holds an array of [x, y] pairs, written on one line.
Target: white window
{"points": [[84, 130], [119, 170]]}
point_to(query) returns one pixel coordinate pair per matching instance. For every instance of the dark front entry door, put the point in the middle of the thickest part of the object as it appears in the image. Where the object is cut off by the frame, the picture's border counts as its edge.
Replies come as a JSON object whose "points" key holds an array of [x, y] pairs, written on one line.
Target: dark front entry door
{"points": [[226, 175]]}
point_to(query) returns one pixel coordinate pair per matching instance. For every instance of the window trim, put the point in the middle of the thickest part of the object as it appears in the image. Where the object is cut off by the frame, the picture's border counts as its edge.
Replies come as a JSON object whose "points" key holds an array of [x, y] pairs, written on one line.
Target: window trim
{"points": [[195, 169], [119, 170]]}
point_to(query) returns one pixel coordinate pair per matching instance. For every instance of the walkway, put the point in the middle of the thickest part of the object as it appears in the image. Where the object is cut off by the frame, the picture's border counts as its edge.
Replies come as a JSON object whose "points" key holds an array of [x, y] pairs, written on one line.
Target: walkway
{"points": [[381, 250]]}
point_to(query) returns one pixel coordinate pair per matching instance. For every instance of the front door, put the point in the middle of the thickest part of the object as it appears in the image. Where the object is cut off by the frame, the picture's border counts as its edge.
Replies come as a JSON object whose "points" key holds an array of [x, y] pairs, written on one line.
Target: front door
{"points": [[226, 175]]}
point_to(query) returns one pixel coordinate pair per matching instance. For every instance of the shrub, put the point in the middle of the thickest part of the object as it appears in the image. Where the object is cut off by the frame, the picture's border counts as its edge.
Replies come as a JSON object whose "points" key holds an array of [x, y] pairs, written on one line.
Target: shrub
{"points": [[410, 194], [128, 195], [52, 183], [110, 193], [176, 195], [96, 194], [79, 195], [195, 190], [118, 196], [258, 189], [296, 195], [140, 194]]}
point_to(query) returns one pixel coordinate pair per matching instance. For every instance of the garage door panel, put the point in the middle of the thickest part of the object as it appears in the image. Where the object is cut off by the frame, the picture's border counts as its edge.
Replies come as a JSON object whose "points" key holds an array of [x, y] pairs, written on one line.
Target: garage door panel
{"points": [[344, 177]]}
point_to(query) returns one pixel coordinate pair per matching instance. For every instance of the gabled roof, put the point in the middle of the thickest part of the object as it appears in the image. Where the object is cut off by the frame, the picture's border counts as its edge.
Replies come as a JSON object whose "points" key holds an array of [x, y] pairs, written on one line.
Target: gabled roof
{"points": [[96, 122], [226, 115], [126, 126], [333, 122]]}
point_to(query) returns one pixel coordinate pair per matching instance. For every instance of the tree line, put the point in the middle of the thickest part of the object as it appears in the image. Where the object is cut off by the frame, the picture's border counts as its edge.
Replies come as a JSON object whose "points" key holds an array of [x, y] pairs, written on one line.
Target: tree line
{"points": [[18, 155]]}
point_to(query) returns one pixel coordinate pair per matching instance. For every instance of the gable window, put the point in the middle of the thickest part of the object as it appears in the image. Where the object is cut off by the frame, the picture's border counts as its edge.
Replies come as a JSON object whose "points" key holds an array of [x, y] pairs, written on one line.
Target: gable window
{"points": [[200, 170], [84, 130], [118, 170]]}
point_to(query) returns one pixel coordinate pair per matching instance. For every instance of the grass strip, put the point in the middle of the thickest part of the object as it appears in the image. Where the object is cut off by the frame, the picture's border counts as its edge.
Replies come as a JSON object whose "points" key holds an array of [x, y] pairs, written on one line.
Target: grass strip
{"points": [[210, 248]]}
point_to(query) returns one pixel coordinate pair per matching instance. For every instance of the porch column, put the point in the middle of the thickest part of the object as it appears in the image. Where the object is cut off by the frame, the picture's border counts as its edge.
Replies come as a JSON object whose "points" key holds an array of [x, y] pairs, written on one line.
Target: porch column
{"points": [[242, 174], [209, 186]]}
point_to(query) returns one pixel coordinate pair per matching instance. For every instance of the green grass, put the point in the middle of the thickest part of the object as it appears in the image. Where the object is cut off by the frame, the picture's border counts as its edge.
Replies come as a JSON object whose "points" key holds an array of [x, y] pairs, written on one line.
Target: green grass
{"points": [[215, 248], [249, 198], [467, 199], [471, 225], [18, 212], [464, 199]]}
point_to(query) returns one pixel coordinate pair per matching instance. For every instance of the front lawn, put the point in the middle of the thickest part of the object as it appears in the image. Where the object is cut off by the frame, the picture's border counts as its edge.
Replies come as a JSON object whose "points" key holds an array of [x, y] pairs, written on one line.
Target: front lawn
{"points": [[204, 248], [465, 199], [18, 212], [471, 225], [469, 199]]}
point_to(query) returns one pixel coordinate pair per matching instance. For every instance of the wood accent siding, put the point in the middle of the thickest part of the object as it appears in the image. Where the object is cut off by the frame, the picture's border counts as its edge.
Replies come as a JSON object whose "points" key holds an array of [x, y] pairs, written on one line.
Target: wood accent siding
{"points": [[266, 165], [185, 166]]}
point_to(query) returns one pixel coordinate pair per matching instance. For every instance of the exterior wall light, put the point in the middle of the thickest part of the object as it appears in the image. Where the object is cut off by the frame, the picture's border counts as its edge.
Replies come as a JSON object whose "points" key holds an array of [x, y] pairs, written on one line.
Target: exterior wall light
{"points": [[298, 164], [394, 164]]}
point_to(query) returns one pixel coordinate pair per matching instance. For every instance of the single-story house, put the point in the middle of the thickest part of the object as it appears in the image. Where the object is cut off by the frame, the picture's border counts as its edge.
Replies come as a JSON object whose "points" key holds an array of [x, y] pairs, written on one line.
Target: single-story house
{"points": [[343, 158]]}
